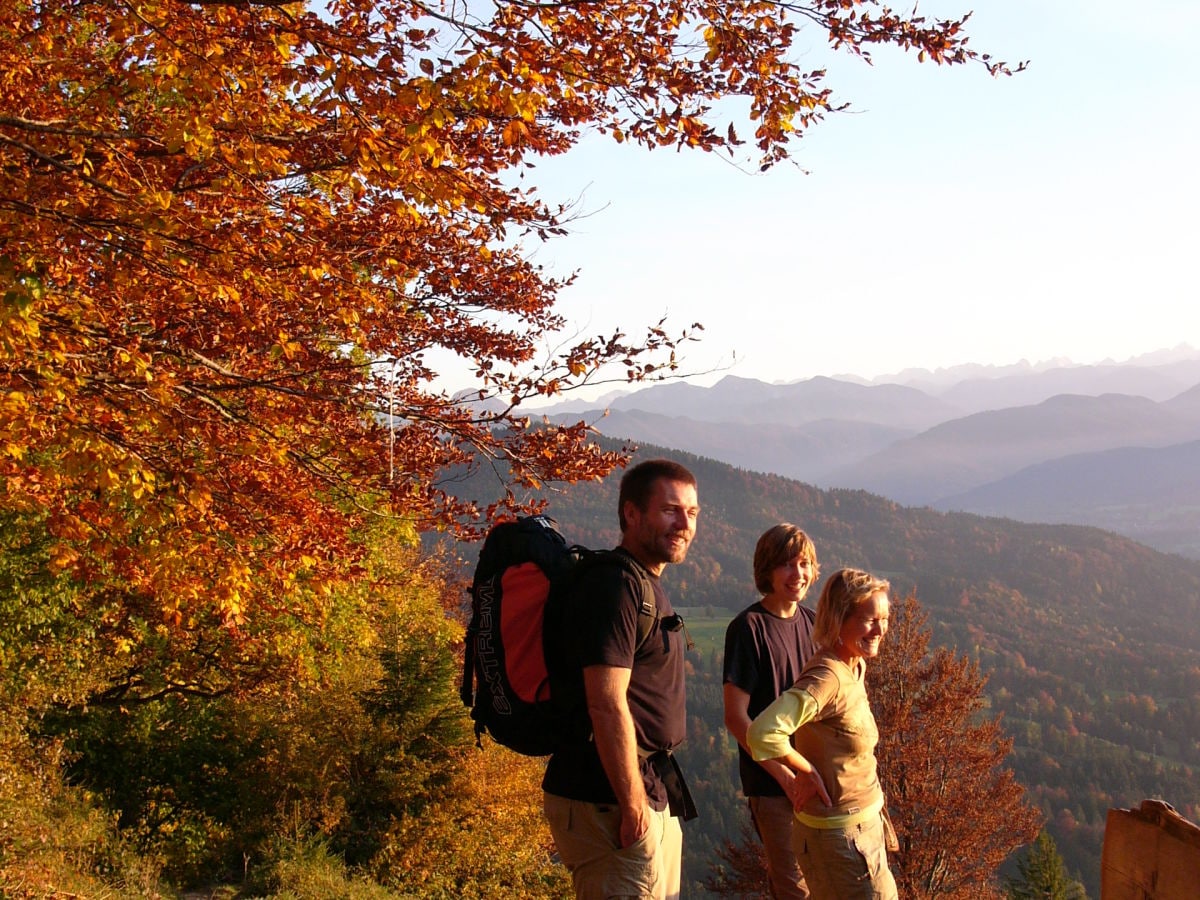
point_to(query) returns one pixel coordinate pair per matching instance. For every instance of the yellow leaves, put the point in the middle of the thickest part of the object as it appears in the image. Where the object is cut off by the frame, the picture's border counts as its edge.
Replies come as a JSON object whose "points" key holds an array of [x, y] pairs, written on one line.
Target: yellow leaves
{"points": [[195, 136], [286, 347], [318, 271], [285, 44], [230, 591], [715, 41], [138, 362], [108, 479], [199, 497], [141, 482], [18, 323], [15, 404], [422, 144], [227, 292], [231, 608], [129, 475], [63, 558]]}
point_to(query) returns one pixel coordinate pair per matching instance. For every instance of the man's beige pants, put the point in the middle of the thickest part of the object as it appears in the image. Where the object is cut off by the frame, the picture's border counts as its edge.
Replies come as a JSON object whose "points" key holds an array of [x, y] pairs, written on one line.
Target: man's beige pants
{"points": [[587, 836]]}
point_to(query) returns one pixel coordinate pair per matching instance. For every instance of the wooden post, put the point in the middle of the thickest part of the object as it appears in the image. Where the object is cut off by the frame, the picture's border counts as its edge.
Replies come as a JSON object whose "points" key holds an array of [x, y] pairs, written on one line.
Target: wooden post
{"points": [[1150, 853]]}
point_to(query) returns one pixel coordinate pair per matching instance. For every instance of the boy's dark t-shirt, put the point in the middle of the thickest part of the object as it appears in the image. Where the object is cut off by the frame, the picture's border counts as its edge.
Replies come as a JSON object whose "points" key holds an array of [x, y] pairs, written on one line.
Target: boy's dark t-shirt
{"points": [[602, 620], [764, 655]]}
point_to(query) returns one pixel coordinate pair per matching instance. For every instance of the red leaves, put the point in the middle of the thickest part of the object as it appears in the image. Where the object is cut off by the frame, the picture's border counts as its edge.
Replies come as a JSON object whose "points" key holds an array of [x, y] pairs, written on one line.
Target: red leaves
{"points": [[238, 234]]}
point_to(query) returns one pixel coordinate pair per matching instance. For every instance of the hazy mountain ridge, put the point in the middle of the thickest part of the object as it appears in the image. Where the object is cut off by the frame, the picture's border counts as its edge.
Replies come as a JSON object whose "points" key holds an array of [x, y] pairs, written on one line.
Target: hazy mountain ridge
{"points": [[1156, 375], [806, 452], [1149, 494], [1158, 382], [955, 456], [935, 438], [734, 400], [1186, 404]]}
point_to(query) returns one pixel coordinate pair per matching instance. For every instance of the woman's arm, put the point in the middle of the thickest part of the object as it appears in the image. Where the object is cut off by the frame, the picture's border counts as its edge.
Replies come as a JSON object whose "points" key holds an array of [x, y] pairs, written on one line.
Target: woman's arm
{"points": [[737, 721], [769, 738]]}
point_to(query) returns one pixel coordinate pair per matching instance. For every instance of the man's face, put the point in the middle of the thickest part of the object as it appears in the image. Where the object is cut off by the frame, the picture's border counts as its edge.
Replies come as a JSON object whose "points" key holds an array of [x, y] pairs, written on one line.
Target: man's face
{"points": [[662, 532]]}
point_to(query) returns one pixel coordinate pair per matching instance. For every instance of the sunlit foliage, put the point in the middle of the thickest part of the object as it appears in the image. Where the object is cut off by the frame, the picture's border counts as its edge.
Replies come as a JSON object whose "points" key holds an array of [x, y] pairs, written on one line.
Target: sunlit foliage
{"points": [[957, 810], [235, 231]]}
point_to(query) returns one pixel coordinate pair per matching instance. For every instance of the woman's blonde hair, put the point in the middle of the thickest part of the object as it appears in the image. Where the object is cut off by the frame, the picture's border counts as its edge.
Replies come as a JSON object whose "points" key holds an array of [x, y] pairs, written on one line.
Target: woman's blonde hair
{"points": [[780, 544], [845, 589]]}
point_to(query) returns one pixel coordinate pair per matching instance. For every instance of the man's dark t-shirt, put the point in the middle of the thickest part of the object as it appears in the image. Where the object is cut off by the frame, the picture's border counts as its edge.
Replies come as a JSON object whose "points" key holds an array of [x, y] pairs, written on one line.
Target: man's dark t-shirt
{"points": [[602, 620], [764, 655]]}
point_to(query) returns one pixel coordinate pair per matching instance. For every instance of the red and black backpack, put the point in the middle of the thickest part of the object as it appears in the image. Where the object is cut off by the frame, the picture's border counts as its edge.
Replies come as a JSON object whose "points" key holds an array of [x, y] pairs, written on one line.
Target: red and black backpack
{"points": [[514, 671]]}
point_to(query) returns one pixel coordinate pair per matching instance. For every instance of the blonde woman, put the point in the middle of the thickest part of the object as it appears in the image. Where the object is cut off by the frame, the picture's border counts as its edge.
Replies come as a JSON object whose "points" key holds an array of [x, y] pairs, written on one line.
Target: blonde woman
{"points": [[841, 832]]}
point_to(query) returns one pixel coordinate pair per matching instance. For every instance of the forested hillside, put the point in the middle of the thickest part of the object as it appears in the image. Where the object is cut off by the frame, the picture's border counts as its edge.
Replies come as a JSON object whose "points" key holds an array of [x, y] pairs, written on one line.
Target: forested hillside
{"points": [[1091, 642]]}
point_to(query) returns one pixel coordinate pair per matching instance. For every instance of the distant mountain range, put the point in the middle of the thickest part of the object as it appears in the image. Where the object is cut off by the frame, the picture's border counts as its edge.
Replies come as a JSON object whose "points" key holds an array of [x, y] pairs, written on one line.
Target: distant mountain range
{"points": [[965, 453], [1149, 494], [1026, 442]]}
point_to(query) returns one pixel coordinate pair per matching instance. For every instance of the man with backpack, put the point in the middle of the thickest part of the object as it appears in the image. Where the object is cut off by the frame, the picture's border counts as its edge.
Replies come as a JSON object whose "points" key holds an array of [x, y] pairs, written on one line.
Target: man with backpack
{"points": [[613, 801]]}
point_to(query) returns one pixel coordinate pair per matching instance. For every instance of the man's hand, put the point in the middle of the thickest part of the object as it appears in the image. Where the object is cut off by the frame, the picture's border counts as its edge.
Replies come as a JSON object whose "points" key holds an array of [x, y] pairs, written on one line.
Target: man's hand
{"points": [[612, 725], [634, 825]]}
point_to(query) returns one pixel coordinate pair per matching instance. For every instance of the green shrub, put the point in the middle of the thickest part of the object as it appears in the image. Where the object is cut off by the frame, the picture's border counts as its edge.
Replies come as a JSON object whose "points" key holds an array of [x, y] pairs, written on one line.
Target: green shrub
{"points": [[304, 868], [55, 840]]}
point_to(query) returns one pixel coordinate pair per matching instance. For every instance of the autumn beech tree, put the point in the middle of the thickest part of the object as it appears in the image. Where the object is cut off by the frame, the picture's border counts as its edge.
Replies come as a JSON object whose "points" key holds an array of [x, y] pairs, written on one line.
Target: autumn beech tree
{"points": [[235, 234], [958, 812]]}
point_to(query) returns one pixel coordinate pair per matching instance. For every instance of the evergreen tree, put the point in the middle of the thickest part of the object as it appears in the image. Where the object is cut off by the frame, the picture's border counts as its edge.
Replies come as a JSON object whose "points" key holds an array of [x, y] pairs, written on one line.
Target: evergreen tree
{"points": [[1043, 876]]}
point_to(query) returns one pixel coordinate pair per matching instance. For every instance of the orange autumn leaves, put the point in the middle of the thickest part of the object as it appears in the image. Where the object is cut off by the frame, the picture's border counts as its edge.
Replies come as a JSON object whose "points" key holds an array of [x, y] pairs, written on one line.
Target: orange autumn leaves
{"points": [[236, 234]]}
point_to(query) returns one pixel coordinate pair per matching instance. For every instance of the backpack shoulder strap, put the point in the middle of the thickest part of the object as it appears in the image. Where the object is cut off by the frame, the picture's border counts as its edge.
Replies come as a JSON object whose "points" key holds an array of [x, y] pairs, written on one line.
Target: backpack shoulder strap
{"points": [[644, 596]]}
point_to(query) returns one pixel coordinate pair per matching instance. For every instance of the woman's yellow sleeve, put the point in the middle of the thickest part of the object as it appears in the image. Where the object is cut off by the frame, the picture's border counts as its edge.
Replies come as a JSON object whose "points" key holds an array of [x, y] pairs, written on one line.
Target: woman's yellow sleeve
{"points": [[770, 732]]}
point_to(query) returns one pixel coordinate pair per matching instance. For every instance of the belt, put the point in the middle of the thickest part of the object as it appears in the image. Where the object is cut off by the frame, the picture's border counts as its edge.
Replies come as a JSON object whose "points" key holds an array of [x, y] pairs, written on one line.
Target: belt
{"points": [[679, 798]]}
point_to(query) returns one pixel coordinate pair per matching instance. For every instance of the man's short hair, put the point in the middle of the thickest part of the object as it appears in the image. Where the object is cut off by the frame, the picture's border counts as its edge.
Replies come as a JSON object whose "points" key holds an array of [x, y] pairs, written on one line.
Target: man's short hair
{"points": [[637, 484], [781, 544]]}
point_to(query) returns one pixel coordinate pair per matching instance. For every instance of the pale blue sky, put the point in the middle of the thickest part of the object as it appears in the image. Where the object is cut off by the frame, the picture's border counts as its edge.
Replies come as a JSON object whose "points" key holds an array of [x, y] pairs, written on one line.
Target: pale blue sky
{"points": [[950, 218]]}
